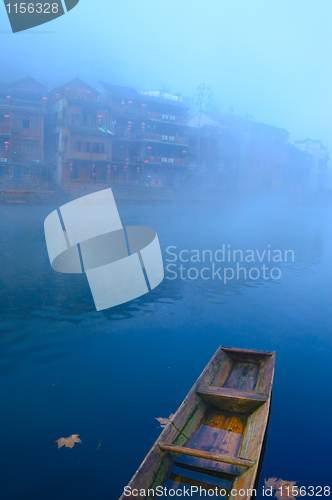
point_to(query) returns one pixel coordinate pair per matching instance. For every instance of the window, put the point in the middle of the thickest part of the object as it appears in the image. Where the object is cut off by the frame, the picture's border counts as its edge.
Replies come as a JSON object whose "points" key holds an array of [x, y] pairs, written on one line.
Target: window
{"points": [[89, 120], [22, 146], [83, 146], [27, 121], [99, 148], [34, 121], [75, 119]]}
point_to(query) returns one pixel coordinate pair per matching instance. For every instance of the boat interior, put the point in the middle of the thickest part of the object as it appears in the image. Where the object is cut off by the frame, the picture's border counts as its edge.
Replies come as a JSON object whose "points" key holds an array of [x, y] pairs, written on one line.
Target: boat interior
{"points": [[227, 425]]}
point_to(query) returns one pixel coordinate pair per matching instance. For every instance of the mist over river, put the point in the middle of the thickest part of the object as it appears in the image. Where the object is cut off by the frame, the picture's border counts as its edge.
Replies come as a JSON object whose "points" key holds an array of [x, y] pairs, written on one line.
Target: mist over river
{"points": [[66, 369]]}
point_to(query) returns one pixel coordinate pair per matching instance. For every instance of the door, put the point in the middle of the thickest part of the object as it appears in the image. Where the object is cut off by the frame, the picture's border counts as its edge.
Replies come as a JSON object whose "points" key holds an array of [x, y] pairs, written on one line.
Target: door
{"points": [[17, 173]]}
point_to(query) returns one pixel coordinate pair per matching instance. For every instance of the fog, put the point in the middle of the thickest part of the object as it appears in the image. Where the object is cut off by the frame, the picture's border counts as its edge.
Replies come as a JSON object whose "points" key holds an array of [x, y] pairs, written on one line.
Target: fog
{"points": [[268, 59]]}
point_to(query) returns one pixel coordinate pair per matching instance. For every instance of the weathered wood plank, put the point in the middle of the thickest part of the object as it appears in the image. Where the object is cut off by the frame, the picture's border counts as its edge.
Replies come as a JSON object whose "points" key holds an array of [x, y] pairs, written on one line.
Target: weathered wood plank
{"points": [[248, 355], [231, 399], [241, 462], [216, 441], [243, 375]]}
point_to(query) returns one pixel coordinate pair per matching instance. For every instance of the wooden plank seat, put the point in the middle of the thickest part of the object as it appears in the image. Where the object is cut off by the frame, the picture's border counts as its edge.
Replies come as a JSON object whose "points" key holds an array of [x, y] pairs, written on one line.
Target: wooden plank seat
{"points": [[232, 399], [241, 462]]}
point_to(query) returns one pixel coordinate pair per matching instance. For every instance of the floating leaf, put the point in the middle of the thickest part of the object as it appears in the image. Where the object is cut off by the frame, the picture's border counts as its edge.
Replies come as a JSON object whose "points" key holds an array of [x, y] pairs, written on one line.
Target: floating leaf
{"points": [[68, 442], [164, 421], [271, 482], [283, 489], [286, 489]]}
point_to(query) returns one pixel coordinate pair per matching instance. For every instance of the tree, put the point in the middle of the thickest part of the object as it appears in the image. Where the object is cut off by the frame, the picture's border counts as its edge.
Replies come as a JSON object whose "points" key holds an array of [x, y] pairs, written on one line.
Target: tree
{"points": [[204, 99]]}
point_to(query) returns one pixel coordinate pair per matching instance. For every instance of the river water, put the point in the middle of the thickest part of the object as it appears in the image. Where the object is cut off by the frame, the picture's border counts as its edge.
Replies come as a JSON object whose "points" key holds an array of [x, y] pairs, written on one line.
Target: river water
{"points": [[67, 369]]}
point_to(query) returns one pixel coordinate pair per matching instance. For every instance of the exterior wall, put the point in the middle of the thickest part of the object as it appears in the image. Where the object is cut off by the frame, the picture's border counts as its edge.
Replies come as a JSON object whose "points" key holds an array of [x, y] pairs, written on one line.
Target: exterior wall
{"points": [[150, 142], [77, 150], [22, 132]]}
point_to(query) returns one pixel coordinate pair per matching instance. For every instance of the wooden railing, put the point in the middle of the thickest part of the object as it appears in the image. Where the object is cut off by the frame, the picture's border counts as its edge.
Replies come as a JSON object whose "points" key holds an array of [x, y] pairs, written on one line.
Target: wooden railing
{"points": [[167, 161], [140, 111], [167, 138], [166, 117]]}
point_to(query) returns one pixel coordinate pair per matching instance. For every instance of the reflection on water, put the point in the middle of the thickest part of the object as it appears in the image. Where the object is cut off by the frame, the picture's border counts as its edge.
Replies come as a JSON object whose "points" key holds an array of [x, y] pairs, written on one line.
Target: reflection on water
{"points": [[66, 369]]}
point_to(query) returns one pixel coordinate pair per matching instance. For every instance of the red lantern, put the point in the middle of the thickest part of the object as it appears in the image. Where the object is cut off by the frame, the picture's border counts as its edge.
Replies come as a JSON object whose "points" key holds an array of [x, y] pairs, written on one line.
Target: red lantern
{"points": [[114, 167], [146, 161], [149, 148], [7, 116], [44, 101], [99, 118], [57, 96], [66, 89], [138, 169], [127, 161], [184, 152], [143, 126], [130, 102], [88, 91], [143, 105], [6, 145], [129, 125]]}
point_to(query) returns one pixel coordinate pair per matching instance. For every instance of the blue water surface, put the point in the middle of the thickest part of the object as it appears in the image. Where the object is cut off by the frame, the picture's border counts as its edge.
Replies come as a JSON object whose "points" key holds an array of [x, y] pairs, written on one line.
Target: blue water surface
{"points": [[67, 369]]}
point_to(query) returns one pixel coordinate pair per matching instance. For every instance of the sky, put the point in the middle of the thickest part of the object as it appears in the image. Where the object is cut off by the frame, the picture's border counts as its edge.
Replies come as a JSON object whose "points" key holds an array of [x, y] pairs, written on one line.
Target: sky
{"points": [[270, 59]]}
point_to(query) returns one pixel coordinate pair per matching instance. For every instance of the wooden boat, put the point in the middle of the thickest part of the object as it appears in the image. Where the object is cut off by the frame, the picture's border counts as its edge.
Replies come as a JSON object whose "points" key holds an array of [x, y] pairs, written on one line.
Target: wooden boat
{"points": [[214, 441]]}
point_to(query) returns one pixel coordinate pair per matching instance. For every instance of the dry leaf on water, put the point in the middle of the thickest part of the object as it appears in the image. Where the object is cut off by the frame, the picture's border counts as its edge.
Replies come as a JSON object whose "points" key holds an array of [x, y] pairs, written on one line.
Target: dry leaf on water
{"points": [[68, 442], [164, 421], [285, 493], [272, 481], [287, 488]]}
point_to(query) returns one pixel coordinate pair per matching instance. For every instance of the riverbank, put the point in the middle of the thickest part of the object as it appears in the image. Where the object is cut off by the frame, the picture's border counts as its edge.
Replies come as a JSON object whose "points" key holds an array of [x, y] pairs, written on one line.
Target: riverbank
{"points": [[41, 193]]}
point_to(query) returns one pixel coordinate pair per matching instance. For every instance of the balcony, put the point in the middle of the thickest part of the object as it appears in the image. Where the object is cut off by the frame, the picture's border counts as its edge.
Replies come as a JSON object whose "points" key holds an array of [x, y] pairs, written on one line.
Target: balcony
{"points": [[4, 156], [87, 156], [128, 110], [170, 139], [141, 112], [19, 104], [121, 160], [167, 161], [126, 134], [166, 118], [91, 131]]}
